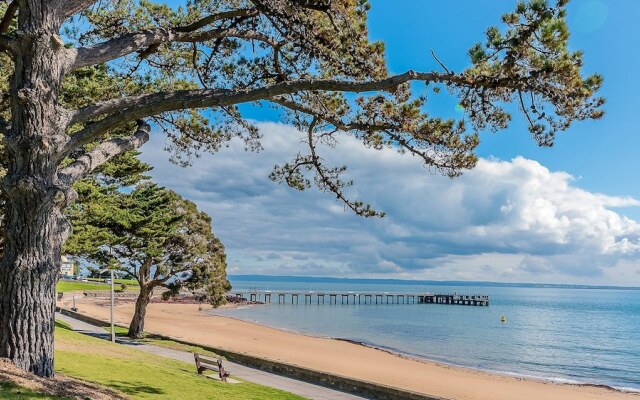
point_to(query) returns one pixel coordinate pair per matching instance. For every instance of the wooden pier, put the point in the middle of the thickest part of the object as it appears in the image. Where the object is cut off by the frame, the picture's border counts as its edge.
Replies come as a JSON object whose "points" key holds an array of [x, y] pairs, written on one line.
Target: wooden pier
{"points": [[310, 297]]}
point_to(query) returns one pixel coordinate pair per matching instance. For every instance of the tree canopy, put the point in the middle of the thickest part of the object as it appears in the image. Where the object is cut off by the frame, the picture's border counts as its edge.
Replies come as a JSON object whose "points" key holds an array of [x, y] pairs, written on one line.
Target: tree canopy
{"points": [[185, 69], [152, 234]]}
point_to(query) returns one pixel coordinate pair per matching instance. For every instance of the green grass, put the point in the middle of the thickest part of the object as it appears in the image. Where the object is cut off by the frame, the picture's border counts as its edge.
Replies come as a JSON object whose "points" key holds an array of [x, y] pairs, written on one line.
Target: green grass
{"points": [[10, 391], [71, 286], [171, 344], [120, 330], [132, 282], [145, 376], [157, 341], [62, 324]]}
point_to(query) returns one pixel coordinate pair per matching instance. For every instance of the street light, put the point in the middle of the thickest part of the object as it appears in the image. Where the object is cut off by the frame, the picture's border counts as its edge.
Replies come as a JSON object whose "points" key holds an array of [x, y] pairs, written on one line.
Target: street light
{"points": [[113, 331], [111, 268]]}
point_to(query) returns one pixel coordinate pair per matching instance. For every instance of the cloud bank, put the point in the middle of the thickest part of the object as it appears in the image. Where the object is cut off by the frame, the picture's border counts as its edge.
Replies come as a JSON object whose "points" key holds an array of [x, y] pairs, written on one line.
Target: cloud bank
{"points": [[504, 220]]}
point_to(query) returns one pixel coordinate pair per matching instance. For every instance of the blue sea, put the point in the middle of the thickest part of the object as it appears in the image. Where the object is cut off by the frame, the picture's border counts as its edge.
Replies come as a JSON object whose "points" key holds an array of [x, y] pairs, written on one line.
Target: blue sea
{"points": [[560, 334]]}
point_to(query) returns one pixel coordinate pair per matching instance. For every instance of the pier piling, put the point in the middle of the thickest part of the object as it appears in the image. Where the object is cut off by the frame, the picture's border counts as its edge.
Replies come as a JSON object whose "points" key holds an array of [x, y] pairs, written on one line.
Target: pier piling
{"points": [[354, 298]]}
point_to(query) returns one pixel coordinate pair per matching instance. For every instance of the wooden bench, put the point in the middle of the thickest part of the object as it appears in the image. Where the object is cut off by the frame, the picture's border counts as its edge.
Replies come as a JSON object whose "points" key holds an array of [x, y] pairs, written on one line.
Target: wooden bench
{"points": [[204, 363]]}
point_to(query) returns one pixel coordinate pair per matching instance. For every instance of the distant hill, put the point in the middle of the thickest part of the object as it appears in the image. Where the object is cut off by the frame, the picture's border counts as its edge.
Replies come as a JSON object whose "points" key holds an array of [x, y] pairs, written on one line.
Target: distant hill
{"points": [[319, 279]]}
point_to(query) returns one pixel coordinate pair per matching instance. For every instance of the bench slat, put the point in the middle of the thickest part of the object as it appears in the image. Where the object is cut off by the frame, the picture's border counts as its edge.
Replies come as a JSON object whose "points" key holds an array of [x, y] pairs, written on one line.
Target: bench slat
{"points": [[206, 360]]}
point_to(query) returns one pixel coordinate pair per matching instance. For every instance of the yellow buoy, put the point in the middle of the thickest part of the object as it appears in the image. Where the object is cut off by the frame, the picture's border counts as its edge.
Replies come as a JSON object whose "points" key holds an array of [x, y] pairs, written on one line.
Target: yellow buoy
{"points": [[503, 319]]}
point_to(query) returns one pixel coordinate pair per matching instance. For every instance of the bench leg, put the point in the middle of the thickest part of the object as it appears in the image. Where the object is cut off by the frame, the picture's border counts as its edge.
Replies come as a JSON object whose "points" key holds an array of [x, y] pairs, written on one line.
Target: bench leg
{"points": [[223, 374]]}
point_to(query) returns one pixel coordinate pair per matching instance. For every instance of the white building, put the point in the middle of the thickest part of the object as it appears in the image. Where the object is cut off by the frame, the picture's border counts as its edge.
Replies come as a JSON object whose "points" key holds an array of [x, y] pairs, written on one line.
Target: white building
{"points": [[67, 267]]}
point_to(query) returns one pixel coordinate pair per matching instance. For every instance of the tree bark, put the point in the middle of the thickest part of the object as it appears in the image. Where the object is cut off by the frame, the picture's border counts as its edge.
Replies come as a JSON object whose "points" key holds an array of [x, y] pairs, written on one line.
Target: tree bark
{"points": [[136, 328], [35, 225]]}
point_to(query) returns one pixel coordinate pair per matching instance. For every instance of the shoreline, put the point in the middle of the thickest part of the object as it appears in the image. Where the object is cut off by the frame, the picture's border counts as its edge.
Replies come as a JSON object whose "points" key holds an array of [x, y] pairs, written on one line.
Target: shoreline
{"points": [[556, 380], [349, 359]]}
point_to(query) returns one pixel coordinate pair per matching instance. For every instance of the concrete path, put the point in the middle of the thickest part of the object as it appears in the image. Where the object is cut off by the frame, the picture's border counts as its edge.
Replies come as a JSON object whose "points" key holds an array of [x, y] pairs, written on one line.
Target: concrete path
{"points": [[300, 388]]}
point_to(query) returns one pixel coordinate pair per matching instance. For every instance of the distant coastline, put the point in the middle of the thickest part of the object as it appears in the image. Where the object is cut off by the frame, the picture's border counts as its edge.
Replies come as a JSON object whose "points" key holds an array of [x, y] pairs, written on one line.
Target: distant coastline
{"points": [[320, 279]]}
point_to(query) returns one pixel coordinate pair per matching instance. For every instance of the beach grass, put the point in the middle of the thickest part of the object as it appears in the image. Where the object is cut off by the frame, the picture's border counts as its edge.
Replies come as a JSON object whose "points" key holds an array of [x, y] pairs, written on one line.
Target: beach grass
{"points": [[141, 375], [10, 391]]}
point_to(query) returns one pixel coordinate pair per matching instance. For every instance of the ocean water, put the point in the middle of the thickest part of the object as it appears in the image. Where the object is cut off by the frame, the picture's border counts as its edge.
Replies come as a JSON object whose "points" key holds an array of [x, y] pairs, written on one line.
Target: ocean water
{"points": [[566, 335]]}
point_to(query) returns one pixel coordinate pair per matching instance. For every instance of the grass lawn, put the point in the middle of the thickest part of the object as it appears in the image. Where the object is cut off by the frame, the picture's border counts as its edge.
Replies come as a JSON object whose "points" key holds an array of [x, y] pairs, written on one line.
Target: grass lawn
{"points": [[145, 376], [71, 286], [9, 391], [156, 341], [120, 330], [170, 344], [117, 281]]}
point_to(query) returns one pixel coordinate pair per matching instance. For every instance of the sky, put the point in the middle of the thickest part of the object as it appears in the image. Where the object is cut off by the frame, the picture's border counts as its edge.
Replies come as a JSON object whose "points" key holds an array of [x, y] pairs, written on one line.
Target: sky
{"points": [[568, 214]]}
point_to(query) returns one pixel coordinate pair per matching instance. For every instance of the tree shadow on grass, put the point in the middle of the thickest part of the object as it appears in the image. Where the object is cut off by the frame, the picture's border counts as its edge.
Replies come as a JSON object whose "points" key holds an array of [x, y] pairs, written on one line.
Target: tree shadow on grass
{"points": [[132, 387]]}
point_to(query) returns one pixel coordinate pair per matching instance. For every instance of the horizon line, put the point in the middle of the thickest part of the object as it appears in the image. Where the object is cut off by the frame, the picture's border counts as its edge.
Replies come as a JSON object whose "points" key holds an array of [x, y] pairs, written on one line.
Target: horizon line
{"points": [[430, 281]]}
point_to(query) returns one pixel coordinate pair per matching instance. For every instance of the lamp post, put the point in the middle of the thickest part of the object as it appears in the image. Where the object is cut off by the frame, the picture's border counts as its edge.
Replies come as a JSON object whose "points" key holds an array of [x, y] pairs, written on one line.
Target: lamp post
{"points": [[110, 266], [113, 331]]}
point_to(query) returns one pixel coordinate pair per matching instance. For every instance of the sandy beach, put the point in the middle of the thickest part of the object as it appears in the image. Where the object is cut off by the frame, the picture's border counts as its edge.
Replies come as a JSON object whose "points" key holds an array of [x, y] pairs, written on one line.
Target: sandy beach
{"points": [[186, 322]]}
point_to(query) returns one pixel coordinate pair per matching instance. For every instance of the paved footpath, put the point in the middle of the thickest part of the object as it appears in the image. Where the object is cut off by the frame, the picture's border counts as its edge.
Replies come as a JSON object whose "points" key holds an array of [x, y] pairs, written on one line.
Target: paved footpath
{"points": [[304, 389]]}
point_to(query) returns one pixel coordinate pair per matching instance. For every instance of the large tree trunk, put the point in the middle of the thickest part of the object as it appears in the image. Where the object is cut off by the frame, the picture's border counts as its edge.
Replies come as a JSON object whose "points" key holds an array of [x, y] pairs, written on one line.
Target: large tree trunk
{"points": [[35, 226], [28, 275], [136, 328]]}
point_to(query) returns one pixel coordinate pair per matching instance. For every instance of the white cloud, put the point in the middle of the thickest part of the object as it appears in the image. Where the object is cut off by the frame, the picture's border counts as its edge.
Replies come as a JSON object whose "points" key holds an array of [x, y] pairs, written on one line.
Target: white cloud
{"points": [[504, 220]]}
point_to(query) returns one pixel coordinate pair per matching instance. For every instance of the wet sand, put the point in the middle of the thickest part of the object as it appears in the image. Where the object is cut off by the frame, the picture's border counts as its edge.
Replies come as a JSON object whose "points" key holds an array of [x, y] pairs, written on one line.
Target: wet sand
{"points": [[187, 322]]}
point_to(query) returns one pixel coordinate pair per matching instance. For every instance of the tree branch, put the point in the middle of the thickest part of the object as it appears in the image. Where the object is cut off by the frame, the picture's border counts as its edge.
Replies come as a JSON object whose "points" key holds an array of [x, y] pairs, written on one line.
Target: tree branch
{"points": [[129, 43], [103, 153], [201, 23], [325, 181], [119, 47], [126, 109], [333, 120], [70, 8], [9, 13], [389, 129]]}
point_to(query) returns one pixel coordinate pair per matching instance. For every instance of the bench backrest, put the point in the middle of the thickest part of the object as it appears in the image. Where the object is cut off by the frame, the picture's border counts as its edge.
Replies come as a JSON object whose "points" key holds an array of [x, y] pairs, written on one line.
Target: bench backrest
{"points": [[204, 363]]}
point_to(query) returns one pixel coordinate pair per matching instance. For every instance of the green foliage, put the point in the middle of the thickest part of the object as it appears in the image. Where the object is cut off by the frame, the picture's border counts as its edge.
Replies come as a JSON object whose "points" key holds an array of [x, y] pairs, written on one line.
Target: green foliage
{"points": [[275, 41], [529, 63], [151, 233]]}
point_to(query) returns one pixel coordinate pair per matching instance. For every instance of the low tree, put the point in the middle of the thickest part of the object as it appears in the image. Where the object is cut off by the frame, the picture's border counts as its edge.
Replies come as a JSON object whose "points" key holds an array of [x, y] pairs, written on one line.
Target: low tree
{"points": [[193, 65], [152, 234]]}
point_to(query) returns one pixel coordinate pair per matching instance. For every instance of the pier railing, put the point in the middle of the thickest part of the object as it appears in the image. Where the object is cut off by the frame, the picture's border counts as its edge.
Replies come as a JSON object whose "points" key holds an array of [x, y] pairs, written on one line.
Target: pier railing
{"points": [[336, 297]]}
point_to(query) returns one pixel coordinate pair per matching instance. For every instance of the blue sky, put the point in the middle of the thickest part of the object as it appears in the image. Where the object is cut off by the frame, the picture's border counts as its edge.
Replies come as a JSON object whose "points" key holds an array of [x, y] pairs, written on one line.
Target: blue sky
{"points": [[602, 153], [565, 214]]}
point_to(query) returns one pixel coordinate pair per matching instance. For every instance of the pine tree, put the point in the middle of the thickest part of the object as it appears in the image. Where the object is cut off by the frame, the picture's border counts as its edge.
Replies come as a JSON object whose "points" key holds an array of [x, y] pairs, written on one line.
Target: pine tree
{"points": [[152, 234], [187, 69]]}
